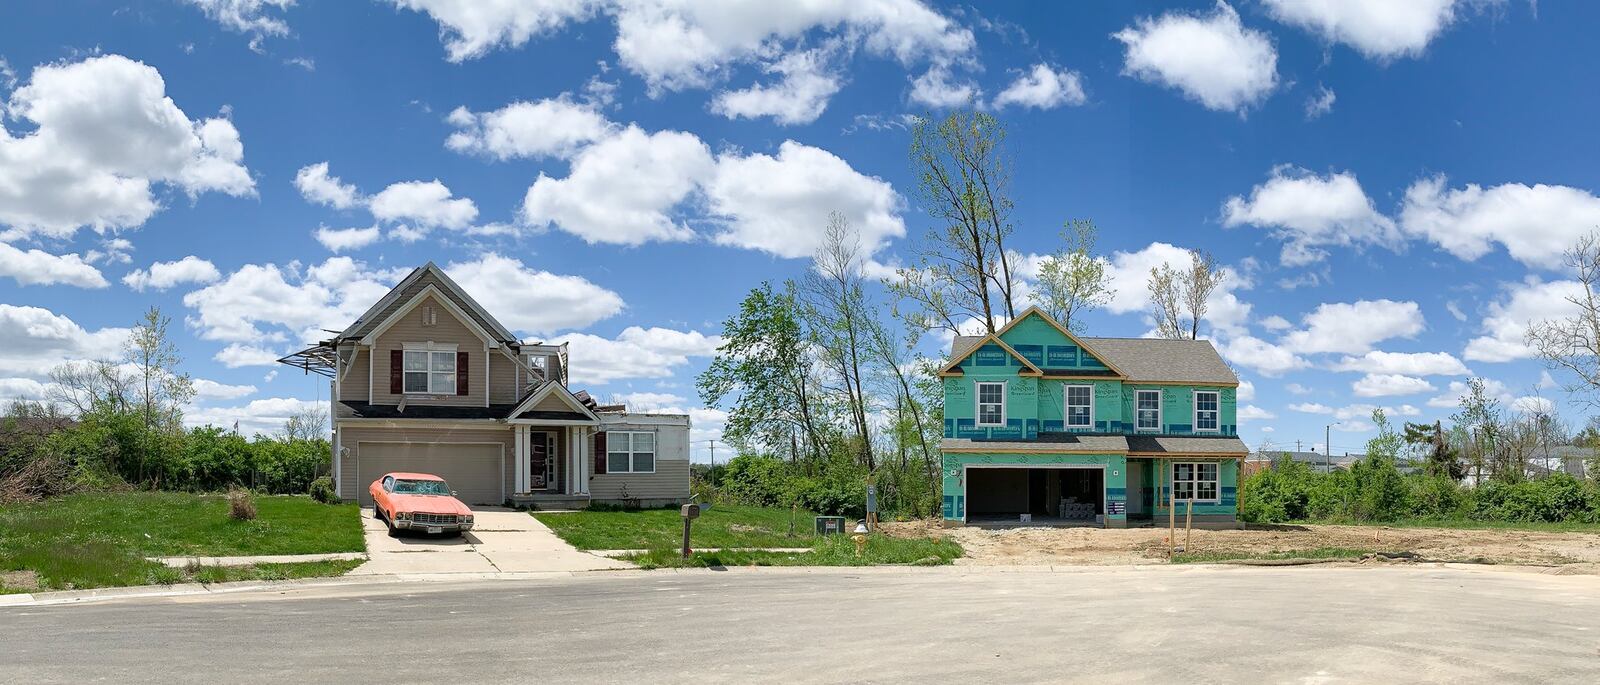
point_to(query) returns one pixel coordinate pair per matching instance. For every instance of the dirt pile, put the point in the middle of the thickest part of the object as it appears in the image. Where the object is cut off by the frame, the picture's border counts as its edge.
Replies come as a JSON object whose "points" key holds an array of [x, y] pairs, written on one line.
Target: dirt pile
{"points": [[1094, 546]]}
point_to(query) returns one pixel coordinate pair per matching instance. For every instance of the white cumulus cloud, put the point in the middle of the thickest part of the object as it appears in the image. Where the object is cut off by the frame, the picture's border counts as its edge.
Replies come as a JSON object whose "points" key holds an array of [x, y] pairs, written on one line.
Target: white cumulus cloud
{"points": [[104, 132], [1379, 29], [1309, 212], [164, 275], [1534, 223], [1389, 384], [317, 185], [555, 127], [1043, 87], [636, 353], [37, 267], [533, 301], [1212, 58], [1355, 327]]}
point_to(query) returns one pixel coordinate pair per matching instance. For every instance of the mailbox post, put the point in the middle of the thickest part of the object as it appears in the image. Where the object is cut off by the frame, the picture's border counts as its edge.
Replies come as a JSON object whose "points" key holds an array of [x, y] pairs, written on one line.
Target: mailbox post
{"points": [[690, 512]]}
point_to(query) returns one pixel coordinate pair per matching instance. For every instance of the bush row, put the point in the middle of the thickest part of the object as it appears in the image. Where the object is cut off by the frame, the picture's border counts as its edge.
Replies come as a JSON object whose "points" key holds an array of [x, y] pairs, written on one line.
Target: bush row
{"points": [[1375, 490], [110, 450]]}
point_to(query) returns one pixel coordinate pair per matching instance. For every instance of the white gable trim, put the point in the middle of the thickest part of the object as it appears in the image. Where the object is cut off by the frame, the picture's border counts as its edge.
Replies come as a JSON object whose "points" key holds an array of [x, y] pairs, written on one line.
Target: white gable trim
{"points": [[455, 291], [544, 391], [372, 338]]}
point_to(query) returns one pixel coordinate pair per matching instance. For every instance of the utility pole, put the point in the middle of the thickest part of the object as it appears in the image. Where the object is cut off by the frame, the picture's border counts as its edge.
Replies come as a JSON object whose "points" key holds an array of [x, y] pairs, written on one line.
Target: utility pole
{"points": [[713, 453]]}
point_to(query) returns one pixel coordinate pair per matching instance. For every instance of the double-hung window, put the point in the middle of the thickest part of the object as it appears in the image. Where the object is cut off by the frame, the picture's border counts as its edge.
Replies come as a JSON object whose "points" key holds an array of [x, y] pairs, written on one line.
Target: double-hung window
{"points": [[430, 372], [1149, 410], [1207, 406], [991, 404], [1197, 481], [630, 452], [1080, 406]]}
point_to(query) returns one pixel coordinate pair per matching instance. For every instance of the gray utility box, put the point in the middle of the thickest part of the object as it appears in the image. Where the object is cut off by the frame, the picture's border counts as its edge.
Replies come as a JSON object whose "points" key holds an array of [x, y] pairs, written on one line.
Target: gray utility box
{"points": [[830, 525]]}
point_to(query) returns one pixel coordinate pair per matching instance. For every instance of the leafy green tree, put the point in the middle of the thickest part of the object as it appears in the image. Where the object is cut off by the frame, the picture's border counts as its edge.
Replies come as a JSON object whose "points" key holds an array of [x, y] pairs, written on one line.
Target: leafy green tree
{"points": [[961, 268], [764, 369], [1073, 279]]}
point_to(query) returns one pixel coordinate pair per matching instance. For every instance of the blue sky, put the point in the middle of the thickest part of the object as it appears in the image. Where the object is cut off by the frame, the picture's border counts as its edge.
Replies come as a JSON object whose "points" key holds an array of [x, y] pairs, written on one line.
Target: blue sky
{"points": [[1390, 189]]}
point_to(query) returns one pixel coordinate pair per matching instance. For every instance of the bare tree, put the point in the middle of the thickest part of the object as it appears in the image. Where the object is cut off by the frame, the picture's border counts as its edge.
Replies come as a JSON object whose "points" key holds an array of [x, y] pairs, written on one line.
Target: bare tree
{"points": [[88, 386], [837, 309], [962, 268], [1073, 279], [310, 423], [1179, 298], [1572, 343], [161, 391]]}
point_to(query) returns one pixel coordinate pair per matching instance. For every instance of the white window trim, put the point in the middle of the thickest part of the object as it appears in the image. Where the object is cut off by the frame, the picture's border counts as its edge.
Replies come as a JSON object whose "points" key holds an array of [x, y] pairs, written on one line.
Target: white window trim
{"points": [[977, 404], [1172, 478], [429, 347], [1136, 426], [655, 453], [1066, 407], [1195, 400]]}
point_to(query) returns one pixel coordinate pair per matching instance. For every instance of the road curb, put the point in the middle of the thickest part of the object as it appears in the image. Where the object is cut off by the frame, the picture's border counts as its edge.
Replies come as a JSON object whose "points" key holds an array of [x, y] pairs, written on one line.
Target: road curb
{"points": [[184, 562]]}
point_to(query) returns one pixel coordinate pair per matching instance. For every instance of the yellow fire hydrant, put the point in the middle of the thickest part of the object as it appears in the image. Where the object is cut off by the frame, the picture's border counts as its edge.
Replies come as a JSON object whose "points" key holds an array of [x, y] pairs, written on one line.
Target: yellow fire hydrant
{"points": [[860, 539]]}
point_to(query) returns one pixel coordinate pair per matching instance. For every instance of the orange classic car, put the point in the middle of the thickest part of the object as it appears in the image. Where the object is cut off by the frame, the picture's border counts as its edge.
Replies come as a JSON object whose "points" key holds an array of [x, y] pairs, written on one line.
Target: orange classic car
{"points": [[419, 502]]}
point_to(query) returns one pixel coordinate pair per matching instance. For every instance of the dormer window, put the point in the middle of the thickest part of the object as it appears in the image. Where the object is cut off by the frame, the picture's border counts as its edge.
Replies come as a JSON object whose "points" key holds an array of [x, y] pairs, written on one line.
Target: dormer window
{"points": [[539, 364]]}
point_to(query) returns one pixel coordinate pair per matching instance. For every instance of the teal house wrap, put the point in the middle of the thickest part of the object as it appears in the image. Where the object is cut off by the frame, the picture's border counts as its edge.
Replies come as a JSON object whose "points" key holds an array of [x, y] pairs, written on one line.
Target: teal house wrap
{"points": [[1067, 430]]}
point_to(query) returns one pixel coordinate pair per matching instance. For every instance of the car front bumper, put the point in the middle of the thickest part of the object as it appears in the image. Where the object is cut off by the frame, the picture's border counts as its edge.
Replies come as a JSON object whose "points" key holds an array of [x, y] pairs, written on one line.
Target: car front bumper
{"points": [[405, 524]]}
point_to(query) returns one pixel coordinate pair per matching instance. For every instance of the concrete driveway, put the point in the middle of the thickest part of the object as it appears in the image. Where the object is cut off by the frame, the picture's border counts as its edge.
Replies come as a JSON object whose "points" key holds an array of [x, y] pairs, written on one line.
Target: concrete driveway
{"points": [[502, 541]]}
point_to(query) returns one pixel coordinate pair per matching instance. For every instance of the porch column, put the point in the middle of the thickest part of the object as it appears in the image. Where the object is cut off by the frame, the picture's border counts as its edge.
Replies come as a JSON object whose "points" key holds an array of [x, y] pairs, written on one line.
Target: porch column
{"points": [[585, 459], [520, 473], [572, 459]]}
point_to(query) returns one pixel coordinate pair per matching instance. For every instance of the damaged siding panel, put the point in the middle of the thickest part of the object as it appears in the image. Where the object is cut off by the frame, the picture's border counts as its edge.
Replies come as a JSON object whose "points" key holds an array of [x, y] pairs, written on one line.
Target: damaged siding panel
{"points": [[356, 380], [350, 438], [502, 379], [446, 330]]}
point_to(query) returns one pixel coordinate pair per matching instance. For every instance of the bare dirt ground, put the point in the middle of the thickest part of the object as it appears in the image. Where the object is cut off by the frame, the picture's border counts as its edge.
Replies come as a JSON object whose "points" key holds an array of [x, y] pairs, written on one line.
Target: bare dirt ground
{"points": [[1095, 546]]}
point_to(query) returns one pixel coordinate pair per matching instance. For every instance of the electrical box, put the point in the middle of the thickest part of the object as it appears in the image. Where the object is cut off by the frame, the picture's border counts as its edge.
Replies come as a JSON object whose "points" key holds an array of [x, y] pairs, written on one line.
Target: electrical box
{"points": [[830, 525]]}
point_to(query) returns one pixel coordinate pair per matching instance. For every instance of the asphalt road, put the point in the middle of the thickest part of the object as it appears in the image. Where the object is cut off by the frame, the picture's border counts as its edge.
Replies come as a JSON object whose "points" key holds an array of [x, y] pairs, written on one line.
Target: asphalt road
{"points": [[1153, 624]]}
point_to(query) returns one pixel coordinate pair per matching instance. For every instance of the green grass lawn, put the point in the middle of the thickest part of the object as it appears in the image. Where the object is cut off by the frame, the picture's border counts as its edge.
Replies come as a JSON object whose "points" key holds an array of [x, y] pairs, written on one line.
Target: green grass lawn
{"points": [[102, 539], [723, 526], [834, 550]]}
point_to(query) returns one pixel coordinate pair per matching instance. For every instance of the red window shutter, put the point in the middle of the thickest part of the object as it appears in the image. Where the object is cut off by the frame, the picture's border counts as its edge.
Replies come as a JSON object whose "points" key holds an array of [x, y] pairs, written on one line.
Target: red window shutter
{"points": [[462, 372], [600, 452], [397, 365]]}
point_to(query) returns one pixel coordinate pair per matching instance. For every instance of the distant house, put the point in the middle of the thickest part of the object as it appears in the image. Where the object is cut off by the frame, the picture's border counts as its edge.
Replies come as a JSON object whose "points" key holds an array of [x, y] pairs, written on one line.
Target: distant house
{"points": [[1091, 431], [1570, 459], [427, 380]]}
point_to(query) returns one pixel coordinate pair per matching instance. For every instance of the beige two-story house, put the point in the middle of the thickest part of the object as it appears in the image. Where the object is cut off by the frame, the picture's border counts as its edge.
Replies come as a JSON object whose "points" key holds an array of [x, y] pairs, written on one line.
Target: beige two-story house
{"points": [[427, 381]]}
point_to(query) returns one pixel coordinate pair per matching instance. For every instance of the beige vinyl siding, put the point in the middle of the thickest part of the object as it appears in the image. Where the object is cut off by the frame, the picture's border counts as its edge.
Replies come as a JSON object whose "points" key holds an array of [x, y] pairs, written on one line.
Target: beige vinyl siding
{"points": [[353, 385], [670, 481], [502, 379], [449, 329], [350, 438]]}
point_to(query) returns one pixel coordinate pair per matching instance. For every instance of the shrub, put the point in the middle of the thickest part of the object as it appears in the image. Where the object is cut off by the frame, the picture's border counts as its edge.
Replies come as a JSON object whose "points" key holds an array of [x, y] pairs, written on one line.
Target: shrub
{"points": [[241, 506], [322, 490]]}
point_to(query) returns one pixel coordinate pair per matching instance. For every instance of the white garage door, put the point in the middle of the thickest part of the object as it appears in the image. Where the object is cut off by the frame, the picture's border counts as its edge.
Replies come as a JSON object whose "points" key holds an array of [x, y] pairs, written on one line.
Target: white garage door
{"points": [[475, 471]]}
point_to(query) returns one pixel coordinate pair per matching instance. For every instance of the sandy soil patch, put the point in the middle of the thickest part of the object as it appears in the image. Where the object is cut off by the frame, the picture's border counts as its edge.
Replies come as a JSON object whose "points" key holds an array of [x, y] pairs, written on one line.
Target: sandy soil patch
{"points": [[1092, 546]]}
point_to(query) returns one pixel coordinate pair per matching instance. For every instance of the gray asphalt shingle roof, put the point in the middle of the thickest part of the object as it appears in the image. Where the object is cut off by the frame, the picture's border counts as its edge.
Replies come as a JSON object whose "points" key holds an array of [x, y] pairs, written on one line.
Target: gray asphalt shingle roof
{"points": [[1167, 444], [1146, 359]]}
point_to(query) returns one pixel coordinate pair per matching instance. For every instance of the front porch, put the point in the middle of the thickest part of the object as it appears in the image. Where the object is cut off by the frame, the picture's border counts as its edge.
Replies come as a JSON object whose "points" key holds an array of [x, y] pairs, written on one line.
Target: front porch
{"points": [[552, 465]]}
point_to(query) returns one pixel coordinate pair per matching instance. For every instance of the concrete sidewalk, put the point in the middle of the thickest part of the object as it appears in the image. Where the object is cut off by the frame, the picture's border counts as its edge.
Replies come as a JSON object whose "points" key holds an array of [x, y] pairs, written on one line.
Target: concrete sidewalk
{"points": [[502, 541], [616, 553]]}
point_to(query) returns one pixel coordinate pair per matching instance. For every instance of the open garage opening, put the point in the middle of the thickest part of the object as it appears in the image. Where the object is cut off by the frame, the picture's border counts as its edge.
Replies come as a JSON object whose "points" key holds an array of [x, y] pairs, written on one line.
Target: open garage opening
{"points": [[1061, 496]]}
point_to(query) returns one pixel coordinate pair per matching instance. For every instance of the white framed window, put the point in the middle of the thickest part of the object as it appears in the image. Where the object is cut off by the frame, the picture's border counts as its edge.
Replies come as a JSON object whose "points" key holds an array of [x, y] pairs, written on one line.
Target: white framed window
{"points": [[1197, 480], [429, 370], [630, 452], [1148, 410], [541, 364], [991, 404], [1207, 410], [1080, 406]]}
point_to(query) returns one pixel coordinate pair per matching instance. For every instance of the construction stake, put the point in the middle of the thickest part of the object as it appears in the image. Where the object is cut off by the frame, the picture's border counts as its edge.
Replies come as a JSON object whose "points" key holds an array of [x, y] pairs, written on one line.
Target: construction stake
{"points": [[1188, 518]]}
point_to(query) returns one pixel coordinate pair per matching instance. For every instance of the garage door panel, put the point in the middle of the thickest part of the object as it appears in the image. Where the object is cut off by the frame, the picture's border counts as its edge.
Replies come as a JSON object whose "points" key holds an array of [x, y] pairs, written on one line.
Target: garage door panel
{"points": [[474, 470]]}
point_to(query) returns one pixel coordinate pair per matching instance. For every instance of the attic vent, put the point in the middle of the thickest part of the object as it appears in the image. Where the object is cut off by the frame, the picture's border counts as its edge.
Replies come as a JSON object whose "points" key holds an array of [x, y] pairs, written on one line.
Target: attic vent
{"points": [[429, 316]]}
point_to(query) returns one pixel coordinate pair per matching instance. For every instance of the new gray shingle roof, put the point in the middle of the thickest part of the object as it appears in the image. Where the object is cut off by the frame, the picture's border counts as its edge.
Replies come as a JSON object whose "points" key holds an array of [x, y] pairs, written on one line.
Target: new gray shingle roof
{"points": [[1184, 445], [1146, 359], [1093, 443]]}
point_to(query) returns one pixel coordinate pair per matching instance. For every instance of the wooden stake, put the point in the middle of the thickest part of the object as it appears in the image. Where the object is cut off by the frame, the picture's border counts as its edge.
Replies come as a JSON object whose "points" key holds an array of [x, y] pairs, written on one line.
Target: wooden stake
{"points": [[1188, 518], [1172, 527]]}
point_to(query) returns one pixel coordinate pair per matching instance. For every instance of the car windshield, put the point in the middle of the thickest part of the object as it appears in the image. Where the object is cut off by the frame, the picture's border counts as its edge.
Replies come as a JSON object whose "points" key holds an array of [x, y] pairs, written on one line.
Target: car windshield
{"points": [[421, 487]]}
